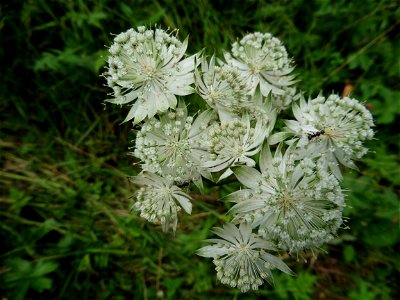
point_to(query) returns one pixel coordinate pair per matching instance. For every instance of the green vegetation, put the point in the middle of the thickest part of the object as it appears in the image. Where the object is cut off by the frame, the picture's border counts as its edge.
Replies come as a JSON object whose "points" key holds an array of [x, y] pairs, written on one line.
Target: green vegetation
{"points": [[66, 231]]}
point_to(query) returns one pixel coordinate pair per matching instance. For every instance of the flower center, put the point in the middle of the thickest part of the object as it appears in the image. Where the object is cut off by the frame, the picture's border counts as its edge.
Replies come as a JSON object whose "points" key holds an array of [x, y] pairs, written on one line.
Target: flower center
{"points": [[243, 249], [286, 201], [165, 191], [180, 148], [150, 72], [254, 69], [330, 132], [237, 151]]}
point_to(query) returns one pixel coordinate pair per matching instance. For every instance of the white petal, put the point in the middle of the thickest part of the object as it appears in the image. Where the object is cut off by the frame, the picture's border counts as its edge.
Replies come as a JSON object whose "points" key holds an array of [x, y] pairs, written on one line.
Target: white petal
{"points": [[265, 160], [249, 177], [277, 263], [203, 119], [278, 137], [212, 251], [184, 202], [247, 206]]}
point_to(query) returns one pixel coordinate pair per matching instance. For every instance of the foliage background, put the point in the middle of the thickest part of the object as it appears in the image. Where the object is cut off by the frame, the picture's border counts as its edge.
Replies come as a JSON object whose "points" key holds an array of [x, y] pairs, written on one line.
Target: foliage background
{"points": [[66, 231]]}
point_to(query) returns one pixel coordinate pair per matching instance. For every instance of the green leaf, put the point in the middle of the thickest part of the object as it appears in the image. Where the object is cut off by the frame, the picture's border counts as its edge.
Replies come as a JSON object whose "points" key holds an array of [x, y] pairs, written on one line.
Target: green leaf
{"points": [[172, 285], [349, 253], [23, 275], [44, 267], [364, 292], [41, 284], [381, 233], [84, 264]]}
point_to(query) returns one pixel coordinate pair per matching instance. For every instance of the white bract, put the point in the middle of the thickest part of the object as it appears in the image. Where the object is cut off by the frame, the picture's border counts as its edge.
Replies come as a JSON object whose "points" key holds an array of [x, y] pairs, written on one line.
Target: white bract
{"points": [[262, 61], [174, 146], [240, 257], [332, 128], [158, 200], [293, 205], [222, 87], [147, 66], [224, 90], [233, 143]]}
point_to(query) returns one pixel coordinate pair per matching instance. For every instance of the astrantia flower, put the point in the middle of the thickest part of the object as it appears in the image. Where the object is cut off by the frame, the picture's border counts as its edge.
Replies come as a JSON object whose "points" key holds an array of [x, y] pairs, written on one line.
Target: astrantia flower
{"points": [[146, 65], [295, 206], [222, 87], [333, 128], [159, 201], [263, 61], [240, 257], [233, 142], [174, 146]]}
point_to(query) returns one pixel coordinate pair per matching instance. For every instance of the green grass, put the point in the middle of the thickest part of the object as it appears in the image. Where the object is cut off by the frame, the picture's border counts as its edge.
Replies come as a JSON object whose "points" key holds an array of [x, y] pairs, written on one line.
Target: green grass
{"points": [[66, 231]]}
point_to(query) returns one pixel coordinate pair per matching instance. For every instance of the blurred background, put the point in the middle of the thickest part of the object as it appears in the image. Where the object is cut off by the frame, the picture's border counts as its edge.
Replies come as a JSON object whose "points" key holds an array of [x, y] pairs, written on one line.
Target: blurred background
{"points": [[66, 231]]}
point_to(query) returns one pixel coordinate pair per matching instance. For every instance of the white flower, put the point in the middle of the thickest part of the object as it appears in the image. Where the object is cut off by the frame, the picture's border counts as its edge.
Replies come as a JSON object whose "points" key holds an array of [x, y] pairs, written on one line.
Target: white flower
{"points": [[240, 257], [263, 61], [159, 201], [221, 86], [147, 65], [233, 142], [333, 129], [296, 206], [174, 146]]}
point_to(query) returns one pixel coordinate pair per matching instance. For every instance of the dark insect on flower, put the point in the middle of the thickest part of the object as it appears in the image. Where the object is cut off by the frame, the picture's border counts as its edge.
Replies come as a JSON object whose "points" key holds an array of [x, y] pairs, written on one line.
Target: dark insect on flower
{"points": [[315, 134]]}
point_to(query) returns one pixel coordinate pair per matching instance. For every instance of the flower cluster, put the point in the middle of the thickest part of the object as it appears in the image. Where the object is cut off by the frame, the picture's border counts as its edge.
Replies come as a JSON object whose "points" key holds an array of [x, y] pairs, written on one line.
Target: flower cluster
{"points": [[291, 200], [158, 199], [146, 65], [332, 128], [293, 205], [240, 257], [222, 87], [263, 61], [233, 143], [173, 146]]}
